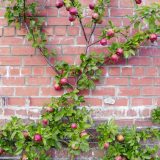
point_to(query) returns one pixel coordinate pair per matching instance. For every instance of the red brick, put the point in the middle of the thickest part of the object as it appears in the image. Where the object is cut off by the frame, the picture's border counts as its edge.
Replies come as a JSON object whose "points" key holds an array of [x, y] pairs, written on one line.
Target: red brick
{"points": [[39, 101], [6, 91], [129, 91], [141, 101], [127, 71], [9, 31], [103, 91], [9, 112], [16, 81], [58, 21], [27, 91], [4, 51], [151, 91], [50, 91], [121, 12], [23, 50], [114, 71], [34, 60], [116, 81], [16, 101], [11, 61], [60, 30], [141, 81], [38, 81]]}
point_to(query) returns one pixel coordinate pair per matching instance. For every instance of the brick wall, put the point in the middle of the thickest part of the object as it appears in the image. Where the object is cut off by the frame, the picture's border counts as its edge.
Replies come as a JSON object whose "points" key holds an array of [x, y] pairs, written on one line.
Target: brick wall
{"points": [[26, 81]]}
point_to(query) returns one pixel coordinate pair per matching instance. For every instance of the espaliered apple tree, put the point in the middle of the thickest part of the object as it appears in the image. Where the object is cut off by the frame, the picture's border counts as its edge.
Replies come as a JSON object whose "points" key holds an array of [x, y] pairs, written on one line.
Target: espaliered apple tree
{"points": [[63, 122]]}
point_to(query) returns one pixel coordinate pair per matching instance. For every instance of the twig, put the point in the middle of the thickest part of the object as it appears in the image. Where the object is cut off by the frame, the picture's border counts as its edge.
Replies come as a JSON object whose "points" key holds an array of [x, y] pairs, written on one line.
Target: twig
{"points": [[84, 33], [41, 51], [94, 27]]}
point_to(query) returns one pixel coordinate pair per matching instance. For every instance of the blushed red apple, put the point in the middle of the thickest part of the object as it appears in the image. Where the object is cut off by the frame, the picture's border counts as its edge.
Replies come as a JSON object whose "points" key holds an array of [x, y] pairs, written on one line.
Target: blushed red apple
{"points": [[153, 37], [92, 5], [73, 125], [73, 11], [37, 138], [119, 52], [103, 42], [63, 81], [57, 87], [59, 3], [110, 32]]}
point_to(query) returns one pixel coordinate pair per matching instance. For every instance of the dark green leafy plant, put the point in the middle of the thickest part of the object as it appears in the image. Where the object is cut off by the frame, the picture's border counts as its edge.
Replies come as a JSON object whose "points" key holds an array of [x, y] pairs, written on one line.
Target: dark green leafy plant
{"points": [[127, 143], [156, 115]]}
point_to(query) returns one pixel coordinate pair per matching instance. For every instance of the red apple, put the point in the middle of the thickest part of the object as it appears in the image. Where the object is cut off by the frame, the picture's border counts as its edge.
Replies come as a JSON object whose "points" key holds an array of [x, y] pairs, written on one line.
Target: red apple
{"points": [[100, 21], [72, 18], [103, 42], [83, 133], [119, 52], [115, 58], [92, 5], [110, 32], [57, 87], [1, 151], [37, 138], [106, 145], [153, 37], [73, 125], [25, 134], [59, 3], [45, 122], [63, 81], [118, 158], [95, 16], [49, 109], [138, 1], [73, 11]]}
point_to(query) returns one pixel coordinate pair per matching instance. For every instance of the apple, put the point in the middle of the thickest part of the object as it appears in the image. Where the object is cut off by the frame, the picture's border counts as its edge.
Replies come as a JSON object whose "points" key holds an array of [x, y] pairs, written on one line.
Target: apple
{"points": [[25, 134], [37, 138], [138, 1], [74, 147], [95, 16], [59, 3], [110, 32], [118, 158], [63, 81], [72, 18], [106, 145], [73, 125], [153, 37], [24, 157], [68, 8], [1, 151], [49, 109], [57, 87], [100, 21], [103, 42], [119, 52], [92, 5], [83, 133], [73, 11], [120, 138], [115, 58], [45, 122]]}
